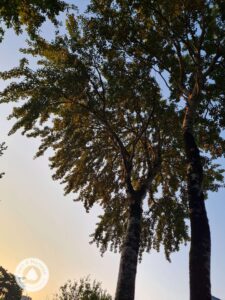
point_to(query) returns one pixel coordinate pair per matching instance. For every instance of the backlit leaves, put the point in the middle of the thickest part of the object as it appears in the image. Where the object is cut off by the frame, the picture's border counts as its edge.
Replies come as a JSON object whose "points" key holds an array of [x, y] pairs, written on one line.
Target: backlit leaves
{"points": [[110, 131], [31, 14]]}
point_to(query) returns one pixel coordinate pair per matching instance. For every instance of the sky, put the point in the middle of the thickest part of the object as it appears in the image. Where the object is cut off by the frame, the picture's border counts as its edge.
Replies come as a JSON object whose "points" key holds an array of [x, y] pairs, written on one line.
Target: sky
{"points": [[37, 220]]}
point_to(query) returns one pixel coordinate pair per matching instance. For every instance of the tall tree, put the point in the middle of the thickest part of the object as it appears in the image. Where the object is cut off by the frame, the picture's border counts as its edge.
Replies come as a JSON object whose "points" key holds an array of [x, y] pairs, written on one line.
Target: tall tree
{"points": [[9, 289], [184, 40], [114, 138]]}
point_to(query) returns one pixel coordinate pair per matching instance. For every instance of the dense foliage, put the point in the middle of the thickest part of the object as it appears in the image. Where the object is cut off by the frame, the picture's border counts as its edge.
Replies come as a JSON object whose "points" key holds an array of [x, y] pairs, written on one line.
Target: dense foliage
{"points": [[82, 290], [9, 289], [184, 43], [111, 133], [29, 13]]}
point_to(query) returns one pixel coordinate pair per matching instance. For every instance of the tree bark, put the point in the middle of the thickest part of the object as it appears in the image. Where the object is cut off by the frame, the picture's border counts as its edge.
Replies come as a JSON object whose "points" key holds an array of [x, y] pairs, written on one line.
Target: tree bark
{"points": [[200, 251], [129, 258]]}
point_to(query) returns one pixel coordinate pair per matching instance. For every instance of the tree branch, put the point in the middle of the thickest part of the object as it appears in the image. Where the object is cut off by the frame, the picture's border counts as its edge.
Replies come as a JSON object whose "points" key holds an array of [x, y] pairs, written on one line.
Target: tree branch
{"points": [[213, 63]]}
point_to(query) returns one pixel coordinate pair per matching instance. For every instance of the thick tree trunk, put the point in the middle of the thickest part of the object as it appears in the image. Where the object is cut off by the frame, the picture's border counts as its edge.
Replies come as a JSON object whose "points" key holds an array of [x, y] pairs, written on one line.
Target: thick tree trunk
{"points": [[129, 257], [200, 252]]}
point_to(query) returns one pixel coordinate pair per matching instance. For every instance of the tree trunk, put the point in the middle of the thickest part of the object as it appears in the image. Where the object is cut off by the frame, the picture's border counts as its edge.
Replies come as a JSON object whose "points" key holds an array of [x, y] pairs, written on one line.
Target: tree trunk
{"points": [[200, 251], [129, 258]]}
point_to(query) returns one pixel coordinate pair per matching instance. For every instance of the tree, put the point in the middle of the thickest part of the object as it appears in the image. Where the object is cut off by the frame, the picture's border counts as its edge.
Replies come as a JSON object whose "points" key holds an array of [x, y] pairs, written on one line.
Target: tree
{"points": [[184, 41], [9, 289], [114, 140], [29, 13], [82, 290]]}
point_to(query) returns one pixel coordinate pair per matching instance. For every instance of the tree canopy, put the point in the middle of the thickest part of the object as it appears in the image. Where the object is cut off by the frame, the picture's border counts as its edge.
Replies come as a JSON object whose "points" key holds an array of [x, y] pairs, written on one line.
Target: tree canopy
{"points": [[97, 104], [95, 99], [29, 13], [184, 43], [110, 130], [82, 290]]}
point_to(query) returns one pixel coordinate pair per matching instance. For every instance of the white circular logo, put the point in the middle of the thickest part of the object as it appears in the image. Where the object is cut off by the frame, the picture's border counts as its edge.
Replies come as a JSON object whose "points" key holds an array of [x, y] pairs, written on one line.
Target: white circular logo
{"points": [[32, 274]]}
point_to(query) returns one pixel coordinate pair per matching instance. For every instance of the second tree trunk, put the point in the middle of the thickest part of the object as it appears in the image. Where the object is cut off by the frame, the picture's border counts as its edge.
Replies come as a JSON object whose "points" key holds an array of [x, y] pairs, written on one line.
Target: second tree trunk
{"points": [[200, 252]]}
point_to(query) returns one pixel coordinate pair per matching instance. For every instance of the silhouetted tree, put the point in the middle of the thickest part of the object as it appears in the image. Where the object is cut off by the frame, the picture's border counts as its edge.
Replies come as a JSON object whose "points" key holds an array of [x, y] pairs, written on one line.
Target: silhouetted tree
{"points": [[9, 289]]}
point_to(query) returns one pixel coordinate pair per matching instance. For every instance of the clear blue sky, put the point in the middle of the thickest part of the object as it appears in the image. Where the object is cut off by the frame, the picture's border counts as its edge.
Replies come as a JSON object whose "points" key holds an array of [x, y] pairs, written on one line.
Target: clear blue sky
{"points": [[36, 220]]}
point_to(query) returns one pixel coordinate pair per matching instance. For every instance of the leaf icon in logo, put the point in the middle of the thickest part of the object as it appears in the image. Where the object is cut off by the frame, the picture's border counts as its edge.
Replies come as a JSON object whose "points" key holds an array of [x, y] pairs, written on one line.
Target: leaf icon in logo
{"points": [[32, 275]]}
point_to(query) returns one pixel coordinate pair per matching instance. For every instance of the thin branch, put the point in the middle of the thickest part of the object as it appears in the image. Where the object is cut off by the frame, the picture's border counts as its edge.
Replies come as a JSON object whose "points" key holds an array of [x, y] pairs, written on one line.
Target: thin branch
{"points": [[101, 82], [213, 63], [143, 130], [96, 90], [182, 87], [163, 78]]}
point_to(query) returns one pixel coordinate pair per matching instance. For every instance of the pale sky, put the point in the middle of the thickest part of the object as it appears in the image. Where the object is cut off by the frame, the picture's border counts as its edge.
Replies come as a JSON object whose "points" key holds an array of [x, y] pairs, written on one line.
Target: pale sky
{"points": [[37, 220]]}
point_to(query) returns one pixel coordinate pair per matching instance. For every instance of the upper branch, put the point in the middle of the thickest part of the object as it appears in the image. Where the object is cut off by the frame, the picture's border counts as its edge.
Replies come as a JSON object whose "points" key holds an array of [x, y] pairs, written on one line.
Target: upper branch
{"points": [[213, 63]]}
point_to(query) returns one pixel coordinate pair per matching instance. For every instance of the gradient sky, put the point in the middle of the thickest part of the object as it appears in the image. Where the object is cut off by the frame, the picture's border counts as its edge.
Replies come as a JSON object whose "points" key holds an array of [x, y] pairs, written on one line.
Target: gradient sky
{"points": [[37, 220]]}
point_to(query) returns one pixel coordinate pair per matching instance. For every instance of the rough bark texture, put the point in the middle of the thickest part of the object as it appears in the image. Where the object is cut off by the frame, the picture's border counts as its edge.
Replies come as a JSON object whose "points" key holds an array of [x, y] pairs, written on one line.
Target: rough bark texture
{"points": [[200, 251], [129, 257]]}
